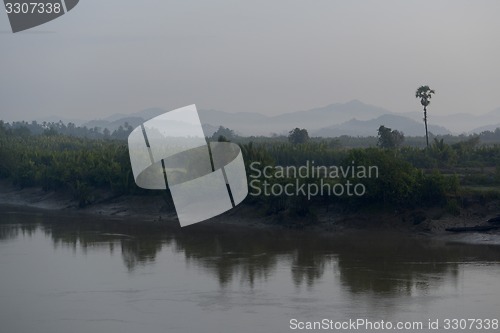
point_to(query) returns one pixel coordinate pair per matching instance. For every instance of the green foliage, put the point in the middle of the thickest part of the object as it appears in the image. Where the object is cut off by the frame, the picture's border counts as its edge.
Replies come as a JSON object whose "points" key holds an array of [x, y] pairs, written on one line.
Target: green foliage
{"points": [[388, 138], [222, 138], [443, 153], [399, 184], [297, 136], [57, 162], [225, 133], [407, 178], [23, 128]]}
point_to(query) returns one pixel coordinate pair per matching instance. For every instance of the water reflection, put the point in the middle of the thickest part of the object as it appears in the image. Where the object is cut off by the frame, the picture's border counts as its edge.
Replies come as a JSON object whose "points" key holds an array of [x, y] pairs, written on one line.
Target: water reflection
{"points": [[383, 264], [397, 265]]}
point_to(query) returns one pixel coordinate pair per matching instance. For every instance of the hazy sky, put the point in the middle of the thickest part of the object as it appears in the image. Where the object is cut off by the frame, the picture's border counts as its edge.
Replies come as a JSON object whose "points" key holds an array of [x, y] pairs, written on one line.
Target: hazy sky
{"points": [[269, 56]]}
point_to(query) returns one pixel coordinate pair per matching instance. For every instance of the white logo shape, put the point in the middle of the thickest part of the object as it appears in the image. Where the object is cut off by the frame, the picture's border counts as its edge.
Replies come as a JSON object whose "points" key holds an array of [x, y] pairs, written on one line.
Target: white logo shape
{"points": [[171, 151]]}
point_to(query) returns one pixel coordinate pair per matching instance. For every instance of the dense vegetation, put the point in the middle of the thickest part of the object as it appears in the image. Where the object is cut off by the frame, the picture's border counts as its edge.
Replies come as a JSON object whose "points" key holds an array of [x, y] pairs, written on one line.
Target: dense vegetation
{"points": [[409, 177], [57, 162]]}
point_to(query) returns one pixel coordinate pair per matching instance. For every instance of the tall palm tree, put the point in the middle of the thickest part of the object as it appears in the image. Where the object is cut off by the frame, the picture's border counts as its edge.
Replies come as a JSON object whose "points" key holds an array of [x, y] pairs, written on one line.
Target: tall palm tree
{"points": [[425, 94]]}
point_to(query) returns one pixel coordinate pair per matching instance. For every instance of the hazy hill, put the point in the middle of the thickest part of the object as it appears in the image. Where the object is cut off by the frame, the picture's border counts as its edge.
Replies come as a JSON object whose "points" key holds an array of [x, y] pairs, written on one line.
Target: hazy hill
{"points": [[253, 123], [56, 119], [486, 128], [114, 121], [461, 122], [334, 114], [113, 125], [351, 118], [356, 127], [314, 119]]}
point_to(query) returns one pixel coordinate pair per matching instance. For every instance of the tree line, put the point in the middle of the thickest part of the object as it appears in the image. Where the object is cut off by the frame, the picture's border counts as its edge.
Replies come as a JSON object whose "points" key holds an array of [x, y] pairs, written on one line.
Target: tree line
{"points": [[409, 176]]}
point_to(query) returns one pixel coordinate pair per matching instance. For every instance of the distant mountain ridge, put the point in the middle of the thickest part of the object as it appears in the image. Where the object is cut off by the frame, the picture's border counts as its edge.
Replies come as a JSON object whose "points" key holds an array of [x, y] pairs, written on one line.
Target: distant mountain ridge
{"points": [[461, 122], [352, 118], [312, 120], [356, 127]]}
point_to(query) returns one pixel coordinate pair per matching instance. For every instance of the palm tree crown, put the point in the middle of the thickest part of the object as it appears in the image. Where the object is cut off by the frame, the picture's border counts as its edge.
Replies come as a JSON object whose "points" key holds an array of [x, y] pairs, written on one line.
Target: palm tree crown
{"points": [[425, 94]]}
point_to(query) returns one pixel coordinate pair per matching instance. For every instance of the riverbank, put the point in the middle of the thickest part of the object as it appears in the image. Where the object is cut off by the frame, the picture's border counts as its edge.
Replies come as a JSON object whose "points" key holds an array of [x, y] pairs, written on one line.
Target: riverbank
{"points": [[155, 210], [151, 209]]}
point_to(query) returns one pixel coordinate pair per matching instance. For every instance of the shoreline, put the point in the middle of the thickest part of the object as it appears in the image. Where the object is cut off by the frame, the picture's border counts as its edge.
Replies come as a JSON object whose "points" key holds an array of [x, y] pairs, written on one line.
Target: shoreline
{"points": [[154, 211]]}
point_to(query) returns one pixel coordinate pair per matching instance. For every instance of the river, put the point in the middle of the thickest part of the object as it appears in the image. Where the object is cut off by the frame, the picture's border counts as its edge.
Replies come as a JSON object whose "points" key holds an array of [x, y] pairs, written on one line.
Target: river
{"points": [[69, 273]]}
